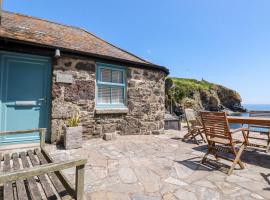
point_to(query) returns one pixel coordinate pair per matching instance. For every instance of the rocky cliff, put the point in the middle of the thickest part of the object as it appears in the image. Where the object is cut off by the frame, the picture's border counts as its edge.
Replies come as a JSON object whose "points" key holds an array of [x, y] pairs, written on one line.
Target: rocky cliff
{"points": [[190, 93]]}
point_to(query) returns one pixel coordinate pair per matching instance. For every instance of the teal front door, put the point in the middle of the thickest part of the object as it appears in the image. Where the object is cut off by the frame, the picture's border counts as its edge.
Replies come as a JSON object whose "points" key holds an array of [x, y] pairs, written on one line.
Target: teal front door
{"points": [[24, 96]]}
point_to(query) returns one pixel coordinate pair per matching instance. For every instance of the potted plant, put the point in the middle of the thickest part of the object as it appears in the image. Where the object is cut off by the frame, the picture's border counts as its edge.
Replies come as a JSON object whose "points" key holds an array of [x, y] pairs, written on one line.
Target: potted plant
{"points": [[73, 133]]}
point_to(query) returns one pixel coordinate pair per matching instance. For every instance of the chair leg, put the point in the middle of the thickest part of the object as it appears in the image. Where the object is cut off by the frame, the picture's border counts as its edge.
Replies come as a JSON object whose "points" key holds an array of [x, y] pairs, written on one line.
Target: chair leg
{"points": [[215, 152], [186, 136], [209, 150], [268, 143], [205, 156], [202, 136], [192, 136], [237, 159], [242, 166]]}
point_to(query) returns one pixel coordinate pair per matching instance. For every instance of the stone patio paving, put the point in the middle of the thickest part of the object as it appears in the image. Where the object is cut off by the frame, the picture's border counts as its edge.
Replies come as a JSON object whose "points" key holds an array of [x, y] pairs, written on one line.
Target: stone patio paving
{"points": [[153, 167]]}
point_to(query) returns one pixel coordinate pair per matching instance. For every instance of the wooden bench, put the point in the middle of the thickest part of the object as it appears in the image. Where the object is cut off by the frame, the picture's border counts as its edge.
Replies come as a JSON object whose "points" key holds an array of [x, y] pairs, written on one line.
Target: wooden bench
{"points": [[32, 174]]}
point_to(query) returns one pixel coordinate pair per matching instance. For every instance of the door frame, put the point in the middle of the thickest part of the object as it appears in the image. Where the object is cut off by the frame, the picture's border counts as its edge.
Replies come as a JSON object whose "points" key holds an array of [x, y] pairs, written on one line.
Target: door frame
{"points": [[48, 83]]}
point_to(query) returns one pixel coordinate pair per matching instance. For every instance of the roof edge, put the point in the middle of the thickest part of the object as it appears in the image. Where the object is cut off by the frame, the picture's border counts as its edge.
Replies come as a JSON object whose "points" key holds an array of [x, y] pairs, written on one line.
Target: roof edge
{"points": [[83, 53]]}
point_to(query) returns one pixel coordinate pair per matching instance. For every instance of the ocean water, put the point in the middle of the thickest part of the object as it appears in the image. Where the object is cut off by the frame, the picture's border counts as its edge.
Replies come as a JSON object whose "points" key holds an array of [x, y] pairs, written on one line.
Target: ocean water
{"points": [[250, 107], [257, 106]]}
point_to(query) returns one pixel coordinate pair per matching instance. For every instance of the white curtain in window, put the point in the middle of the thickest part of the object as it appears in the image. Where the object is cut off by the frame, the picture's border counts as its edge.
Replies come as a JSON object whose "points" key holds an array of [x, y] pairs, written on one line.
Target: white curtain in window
{"points": [[106, 75], [104, 95], [117, 95], [117, 76]]}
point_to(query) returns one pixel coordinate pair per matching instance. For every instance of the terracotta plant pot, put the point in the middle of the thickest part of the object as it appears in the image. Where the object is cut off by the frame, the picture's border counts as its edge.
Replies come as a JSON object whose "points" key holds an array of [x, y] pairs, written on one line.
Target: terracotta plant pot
{"points": [[73, 137]]}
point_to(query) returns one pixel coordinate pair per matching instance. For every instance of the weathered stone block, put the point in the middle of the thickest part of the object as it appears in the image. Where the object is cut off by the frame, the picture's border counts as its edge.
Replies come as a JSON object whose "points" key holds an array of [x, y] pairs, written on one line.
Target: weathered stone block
{"points": [[88, 66], [108, 136], [56, 91], [63, 110]]}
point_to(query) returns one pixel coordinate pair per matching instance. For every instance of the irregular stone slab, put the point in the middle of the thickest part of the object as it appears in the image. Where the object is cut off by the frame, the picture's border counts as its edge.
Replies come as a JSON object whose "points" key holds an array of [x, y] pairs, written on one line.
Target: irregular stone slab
{"points": [[117, 196], [227, 188], [144, 197], [256, 196], [205, 183], [103, 195], [175, 181], [97, 195], [204, 193], [168, 196], [235, 179], [127, 175], [253, 185], [183, 171], [125, 188], [182, 194], [149, 180]]}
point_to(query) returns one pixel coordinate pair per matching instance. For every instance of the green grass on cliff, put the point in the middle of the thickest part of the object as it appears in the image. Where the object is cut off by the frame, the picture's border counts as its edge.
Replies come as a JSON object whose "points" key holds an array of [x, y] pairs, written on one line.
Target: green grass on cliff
{"points": [[192, 84], [185, 87]]}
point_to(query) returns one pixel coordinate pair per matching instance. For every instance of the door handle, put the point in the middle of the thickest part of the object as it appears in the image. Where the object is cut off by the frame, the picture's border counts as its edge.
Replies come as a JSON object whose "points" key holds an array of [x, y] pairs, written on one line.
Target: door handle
{"points": [[25, 103], [43, 99]]}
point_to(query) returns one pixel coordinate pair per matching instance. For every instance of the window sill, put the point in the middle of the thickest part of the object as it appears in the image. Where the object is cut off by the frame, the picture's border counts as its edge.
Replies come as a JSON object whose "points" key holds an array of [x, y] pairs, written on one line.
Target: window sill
{"points": [[111, 110]]}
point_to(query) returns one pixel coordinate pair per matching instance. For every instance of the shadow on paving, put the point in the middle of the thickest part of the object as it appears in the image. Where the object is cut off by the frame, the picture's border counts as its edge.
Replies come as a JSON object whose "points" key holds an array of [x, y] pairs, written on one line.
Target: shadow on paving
{"points": [[209, 165], [189, 141], [267, 179], [251, 156]]}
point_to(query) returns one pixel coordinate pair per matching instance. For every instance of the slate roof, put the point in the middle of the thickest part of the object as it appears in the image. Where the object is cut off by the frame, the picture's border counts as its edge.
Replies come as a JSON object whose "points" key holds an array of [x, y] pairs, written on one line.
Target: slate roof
{"points": [[38, 31]]}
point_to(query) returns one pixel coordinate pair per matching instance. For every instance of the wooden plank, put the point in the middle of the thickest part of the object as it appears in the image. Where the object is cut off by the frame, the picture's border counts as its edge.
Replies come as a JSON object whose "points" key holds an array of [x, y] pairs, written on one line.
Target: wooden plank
{"points": [[33, 188], [63, 179], [42, 133], [21, 190], [80, 181], [63, 193], [43, 180], [8, 190], [249, 120]]}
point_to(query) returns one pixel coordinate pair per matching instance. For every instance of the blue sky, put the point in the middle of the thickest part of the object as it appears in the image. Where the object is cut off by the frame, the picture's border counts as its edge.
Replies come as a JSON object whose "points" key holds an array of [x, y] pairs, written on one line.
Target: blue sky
{"points": [[223, 41]]}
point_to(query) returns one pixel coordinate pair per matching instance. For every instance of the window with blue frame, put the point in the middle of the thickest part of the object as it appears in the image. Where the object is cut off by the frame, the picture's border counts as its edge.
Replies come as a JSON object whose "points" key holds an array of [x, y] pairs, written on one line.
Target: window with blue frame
{"points": [[111, 86]]}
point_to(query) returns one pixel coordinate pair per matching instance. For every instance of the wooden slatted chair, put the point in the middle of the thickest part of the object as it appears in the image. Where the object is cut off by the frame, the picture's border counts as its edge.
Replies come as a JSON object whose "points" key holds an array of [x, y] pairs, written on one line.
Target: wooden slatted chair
{"points": [[32, 174], [195, 127], [219, 138], [258, 128]]}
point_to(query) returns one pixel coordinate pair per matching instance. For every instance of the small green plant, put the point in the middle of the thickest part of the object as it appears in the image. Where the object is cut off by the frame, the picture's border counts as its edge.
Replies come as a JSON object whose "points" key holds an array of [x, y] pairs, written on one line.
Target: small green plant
{"points": [[74, 120]]}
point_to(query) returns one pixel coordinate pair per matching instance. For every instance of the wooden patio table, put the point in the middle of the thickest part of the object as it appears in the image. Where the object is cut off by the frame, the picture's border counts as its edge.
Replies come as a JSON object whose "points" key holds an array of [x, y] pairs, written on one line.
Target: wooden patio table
{"points": [[249, 120]]}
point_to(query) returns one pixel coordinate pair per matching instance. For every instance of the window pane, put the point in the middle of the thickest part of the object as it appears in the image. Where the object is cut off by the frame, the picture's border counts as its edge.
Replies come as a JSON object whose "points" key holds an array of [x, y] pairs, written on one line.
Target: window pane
{"points": [[106, 75], [117, 76], [117, 95], [104, 95]]}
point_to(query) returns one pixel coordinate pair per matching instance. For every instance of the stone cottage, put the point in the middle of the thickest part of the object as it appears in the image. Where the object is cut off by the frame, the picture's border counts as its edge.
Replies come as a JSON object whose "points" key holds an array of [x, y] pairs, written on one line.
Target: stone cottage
{"points": [[50, 71]]}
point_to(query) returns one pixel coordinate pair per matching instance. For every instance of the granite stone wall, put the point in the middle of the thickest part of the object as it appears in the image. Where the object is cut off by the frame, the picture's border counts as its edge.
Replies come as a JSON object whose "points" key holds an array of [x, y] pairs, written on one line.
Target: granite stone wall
{"points": [[145, 101]]}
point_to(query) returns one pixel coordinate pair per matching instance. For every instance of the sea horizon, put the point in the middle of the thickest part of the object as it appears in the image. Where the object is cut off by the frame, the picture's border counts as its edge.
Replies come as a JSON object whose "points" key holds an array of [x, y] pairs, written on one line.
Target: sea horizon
{"points": [[256, 106]]}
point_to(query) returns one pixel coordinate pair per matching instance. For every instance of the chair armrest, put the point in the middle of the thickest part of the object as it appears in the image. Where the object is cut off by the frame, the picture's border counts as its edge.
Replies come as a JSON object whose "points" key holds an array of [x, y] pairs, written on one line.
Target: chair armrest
{"points": [[243, 130], [41, 169], [239, 130]]}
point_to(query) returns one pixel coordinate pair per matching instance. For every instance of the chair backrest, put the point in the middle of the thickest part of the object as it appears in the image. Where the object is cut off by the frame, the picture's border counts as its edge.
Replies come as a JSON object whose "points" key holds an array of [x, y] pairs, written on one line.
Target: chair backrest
{"points": [[190, 114], [260, 114], [216, 125], [192, 119]]}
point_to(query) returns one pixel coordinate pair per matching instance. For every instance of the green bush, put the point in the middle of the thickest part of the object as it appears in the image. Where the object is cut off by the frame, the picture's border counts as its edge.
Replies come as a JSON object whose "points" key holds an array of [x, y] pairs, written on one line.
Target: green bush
{"points": [[184, 87]]}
